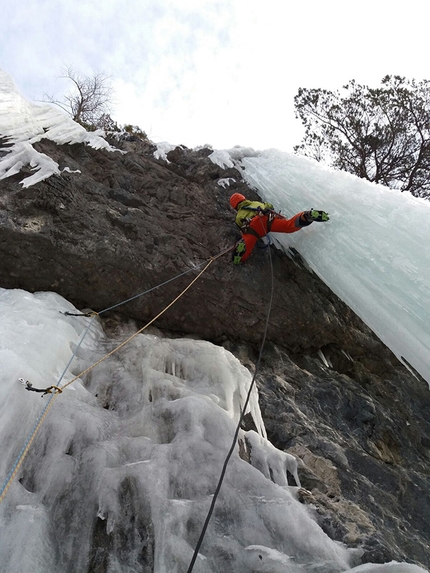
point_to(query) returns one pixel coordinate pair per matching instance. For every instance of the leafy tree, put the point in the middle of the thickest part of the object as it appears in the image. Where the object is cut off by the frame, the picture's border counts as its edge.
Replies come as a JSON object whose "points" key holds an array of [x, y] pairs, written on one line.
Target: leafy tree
{"points": [[89, 99], [382, 134]]}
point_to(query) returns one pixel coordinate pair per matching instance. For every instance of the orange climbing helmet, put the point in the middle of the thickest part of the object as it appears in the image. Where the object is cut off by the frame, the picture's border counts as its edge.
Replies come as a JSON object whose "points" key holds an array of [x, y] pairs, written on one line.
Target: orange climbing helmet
{"points": [[236, 198]]}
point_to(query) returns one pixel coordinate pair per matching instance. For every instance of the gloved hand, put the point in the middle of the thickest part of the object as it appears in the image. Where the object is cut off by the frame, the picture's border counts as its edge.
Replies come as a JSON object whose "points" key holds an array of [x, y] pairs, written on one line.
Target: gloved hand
{"points": [[314, 215], [238, 252]]}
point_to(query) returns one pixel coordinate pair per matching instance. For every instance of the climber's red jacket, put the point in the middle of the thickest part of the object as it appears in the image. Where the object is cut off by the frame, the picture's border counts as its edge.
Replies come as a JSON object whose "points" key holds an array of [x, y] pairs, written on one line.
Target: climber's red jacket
{"points": [[256, 224]]}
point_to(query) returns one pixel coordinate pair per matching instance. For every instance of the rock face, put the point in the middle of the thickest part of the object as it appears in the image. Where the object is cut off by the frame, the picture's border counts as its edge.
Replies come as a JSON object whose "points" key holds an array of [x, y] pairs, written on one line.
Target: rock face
{"points": [[129, 222]]}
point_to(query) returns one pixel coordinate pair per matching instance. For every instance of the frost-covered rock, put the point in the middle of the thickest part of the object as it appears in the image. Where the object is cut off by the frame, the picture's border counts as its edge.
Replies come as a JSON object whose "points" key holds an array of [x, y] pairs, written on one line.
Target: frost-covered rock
{"points": [[22, 124]]}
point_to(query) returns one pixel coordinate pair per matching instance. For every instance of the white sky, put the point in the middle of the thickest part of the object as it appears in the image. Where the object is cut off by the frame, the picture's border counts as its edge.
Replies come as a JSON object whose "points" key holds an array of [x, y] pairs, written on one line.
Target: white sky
{"points": [[222, 72]]}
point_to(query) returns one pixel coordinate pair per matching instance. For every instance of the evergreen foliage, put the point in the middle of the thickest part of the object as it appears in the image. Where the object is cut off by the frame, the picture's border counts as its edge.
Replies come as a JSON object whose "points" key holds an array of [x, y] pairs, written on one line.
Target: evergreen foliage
{"points": [[382, 134]]}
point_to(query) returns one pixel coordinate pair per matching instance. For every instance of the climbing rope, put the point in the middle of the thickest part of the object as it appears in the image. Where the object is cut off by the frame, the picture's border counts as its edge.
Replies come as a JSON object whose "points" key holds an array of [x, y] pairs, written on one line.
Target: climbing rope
{"points": [[22, 454], [140, 330], [55, 391], [236, 433], [190, 270], [12, 474]]}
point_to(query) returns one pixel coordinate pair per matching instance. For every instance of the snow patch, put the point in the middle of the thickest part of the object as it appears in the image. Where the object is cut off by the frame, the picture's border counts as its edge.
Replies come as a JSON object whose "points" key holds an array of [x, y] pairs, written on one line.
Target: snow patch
{"points": [[231, 157], [226, 182], [163, 149]]}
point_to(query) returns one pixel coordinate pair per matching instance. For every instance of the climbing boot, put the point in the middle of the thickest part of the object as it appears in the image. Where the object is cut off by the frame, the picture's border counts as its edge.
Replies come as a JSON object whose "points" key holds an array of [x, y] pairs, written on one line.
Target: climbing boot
{"points": [[238, 252], [314, 215]]}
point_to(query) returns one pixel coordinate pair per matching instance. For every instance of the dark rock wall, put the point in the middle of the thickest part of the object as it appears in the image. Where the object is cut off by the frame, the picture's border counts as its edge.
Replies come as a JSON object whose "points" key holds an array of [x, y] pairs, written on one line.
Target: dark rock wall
{"points": [[363, 441], [128, 223]]}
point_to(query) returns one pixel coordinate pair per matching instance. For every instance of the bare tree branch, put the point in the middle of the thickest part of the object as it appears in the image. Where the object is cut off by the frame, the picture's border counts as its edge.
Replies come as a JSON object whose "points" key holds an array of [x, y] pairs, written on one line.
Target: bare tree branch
{"points": [[89, 98]]}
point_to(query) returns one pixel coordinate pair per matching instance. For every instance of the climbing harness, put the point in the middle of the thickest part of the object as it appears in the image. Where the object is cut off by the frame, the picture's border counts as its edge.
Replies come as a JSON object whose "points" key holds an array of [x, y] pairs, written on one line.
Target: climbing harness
{"points": [[248, 230], [54, 391], [270, 220], [236, 433]]}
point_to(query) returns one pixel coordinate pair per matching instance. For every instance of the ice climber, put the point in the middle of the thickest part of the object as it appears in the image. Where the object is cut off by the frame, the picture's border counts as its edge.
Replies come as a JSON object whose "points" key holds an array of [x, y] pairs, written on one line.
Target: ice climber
{"points": [[256, 219]]}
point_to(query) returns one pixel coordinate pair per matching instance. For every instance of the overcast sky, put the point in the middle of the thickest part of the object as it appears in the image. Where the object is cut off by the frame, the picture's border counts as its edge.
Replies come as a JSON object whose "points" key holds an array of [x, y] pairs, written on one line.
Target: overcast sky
{"points": [[222, 72]]}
